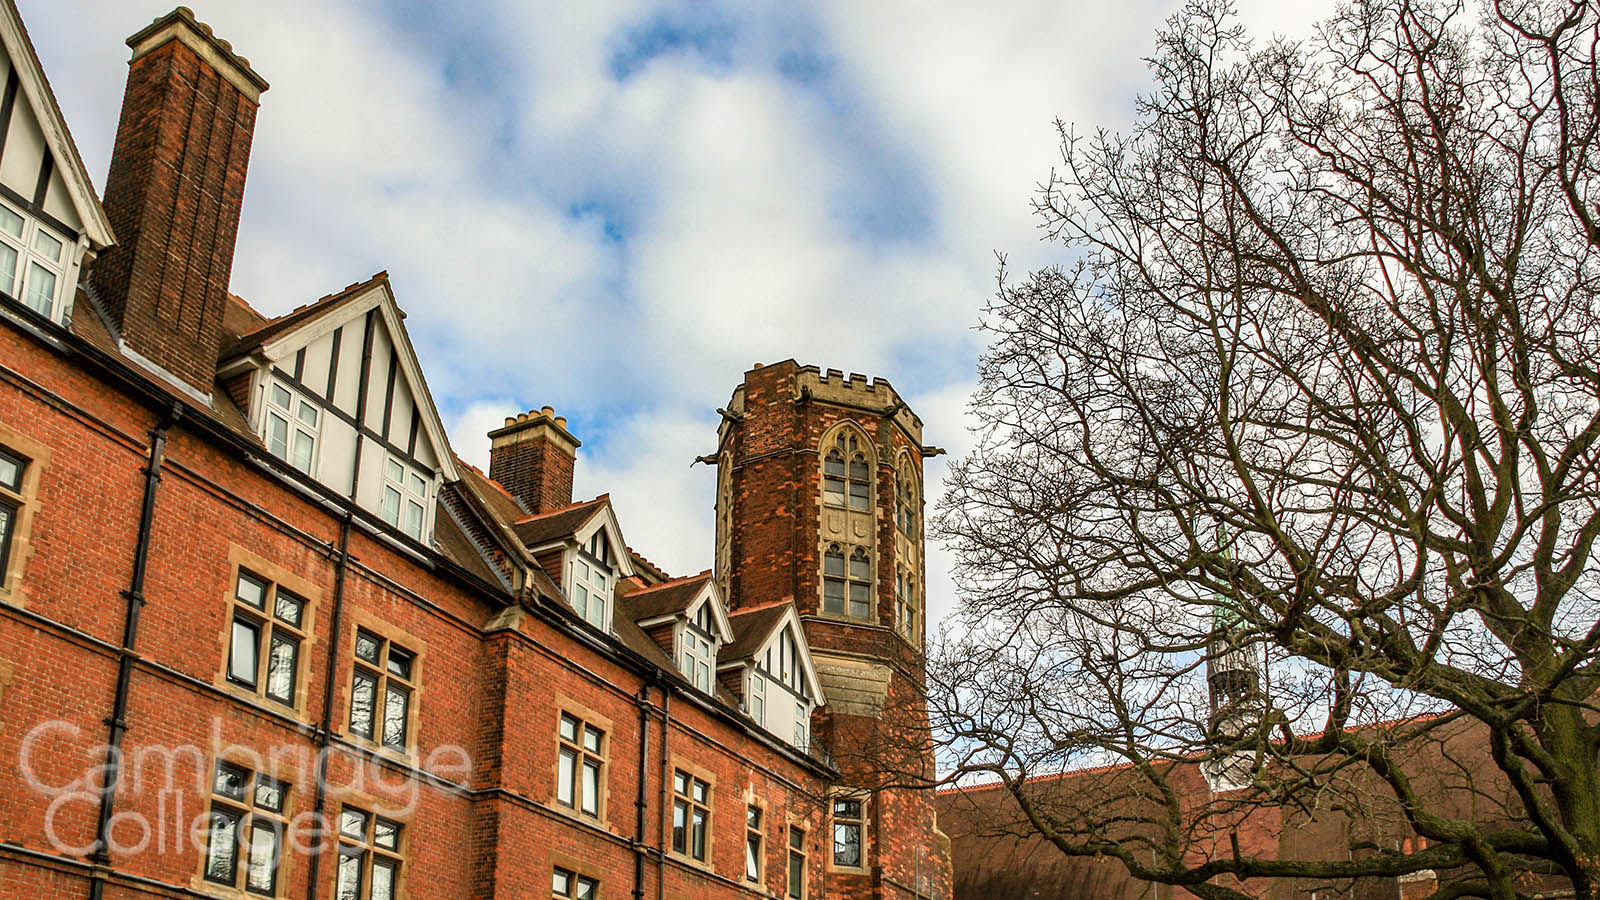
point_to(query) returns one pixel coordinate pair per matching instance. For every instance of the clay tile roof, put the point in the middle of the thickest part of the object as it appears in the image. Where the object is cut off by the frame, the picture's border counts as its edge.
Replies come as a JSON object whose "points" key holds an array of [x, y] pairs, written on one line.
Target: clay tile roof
{"points": [[545, 527], [261, 334], [650, 568], [499, 500], [667, 598], [751, 628]]}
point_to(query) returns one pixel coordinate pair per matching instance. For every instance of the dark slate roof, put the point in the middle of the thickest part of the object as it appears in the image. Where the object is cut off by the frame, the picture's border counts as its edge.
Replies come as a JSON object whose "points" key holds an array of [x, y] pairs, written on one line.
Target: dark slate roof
{"points": [[668, 598], [565, 522], [751, 628]]}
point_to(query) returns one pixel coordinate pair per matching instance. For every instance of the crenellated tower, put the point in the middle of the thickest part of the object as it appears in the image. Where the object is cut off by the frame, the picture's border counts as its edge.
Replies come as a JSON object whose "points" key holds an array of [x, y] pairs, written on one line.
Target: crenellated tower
{"points": [[820, 501]]}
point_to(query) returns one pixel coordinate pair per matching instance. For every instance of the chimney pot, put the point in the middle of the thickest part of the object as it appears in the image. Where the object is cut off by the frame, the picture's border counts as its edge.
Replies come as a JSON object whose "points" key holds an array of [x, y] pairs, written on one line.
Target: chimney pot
{"points": [[533, 458]]}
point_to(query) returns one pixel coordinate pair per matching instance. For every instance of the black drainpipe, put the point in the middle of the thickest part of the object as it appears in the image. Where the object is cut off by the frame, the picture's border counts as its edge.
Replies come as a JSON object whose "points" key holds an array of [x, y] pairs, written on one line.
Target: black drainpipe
{"points": [[640, 803], [323, 733], [134, 595], [666, 785]]}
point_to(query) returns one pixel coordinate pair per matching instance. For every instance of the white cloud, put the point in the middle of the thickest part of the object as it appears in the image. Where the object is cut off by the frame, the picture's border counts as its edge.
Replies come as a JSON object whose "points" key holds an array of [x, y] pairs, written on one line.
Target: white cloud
{"points": [[624, 249]]}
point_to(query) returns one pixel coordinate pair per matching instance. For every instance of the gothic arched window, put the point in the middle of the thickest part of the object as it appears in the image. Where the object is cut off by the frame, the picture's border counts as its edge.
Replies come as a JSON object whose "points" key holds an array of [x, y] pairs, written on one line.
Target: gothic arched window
{"points": [[846, 474], [905, 500], [847, 583]]}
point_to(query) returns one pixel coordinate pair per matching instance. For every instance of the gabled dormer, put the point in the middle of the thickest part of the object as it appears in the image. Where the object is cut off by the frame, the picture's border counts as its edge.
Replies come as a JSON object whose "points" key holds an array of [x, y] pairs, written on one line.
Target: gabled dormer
{"points": [[769, 666], [687, 618], [334, 389], [51, 222], [581, 548]]}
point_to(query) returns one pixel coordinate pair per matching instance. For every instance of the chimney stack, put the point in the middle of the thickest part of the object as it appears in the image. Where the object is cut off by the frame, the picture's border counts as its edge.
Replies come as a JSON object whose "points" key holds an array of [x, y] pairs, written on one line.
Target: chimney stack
{"points": [[174, 193], [532, 457]]}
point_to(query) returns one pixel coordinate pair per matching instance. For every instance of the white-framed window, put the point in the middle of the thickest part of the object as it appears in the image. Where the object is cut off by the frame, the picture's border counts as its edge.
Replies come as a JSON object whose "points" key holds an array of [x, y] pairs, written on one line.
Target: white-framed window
{"points": [[758, 698], [581, 765], [802, 725], [592, 581], [405, 497], [290, 426], [699, 654], [33, 262]]}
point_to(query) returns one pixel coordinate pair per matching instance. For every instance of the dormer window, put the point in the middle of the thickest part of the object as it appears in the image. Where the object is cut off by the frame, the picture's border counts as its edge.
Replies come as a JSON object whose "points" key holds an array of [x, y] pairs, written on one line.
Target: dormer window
{"points": [[405, 498], [291, 427], [33, 263], [699, 654], [592, 581]]}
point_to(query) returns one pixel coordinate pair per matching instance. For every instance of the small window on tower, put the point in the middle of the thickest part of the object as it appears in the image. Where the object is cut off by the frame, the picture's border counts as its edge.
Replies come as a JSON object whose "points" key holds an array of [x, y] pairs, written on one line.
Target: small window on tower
{"points": [[846, 476]]}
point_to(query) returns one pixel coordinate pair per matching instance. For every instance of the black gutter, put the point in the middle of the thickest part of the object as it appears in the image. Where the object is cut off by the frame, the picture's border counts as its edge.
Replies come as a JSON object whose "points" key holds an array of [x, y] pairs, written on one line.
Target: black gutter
{"points": [[323, 734], [134, 596], [666, 785], [640, 802]]}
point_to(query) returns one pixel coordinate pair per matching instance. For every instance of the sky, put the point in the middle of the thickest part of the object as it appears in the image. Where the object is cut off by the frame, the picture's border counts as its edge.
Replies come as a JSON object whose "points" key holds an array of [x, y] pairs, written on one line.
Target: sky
{"points": [[617, 207]]}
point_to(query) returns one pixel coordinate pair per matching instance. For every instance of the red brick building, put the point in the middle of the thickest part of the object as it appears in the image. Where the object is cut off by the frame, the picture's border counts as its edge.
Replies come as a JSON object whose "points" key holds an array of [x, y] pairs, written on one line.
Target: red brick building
{"points": [[263, 634]]}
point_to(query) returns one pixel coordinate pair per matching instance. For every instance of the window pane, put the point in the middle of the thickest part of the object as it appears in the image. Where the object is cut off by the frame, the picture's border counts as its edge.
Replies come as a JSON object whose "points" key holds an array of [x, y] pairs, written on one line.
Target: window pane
{"points": [[832, 489], [586, 888], [413, 525], [230, 782], [269, 794], [858, 496], [700, 792], [561, 882], [860, 568], [40, 290], [752, 818], [797, 875], [280, 396], [858, 470], [363, 695], [8, 267], [391, 505], [832, 595], [386, 834], [353, 823], [699, 851], [10, 471], [368, 647], [46, 245], [383, 879], [833, 563], [680, 822], [395, 706], [400, 662], [569, 728], [349, 876], [242, 656], [277, 435], [797, 839], [860, 602], [287, 607], [302, 451], [262, 874], [281, 664], [846, 844], [591, 739], [833, 465], [566, 772], [10, 222], [591, 788], [306, 413], [222, 845], [680, 783], [393, 471], [752, 857], [252, 591], [416, 484]]}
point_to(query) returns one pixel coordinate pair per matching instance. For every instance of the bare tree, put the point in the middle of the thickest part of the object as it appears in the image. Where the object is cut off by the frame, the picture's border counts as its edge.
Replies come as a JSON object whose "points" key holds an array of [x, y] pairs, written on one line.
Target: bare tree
{"points": [[1288, 477]]}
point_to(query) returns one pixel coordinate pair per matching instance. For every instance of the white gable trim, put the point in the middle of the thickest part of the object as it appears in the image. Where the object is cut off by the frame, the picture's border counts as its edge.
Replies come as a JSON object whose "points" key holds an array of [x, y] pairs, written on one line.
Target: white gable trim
{"points": [[791, 621], [710, 594], [58, 140], [606, 518], [380, 297]]}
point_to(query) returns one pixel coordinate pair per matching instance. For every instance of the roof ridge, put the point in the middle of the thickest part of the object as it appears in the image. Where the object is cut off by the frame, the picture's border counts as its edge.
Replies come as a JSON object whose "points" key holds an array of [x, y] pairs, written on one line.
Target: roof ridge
{"points": [[577, 504]]}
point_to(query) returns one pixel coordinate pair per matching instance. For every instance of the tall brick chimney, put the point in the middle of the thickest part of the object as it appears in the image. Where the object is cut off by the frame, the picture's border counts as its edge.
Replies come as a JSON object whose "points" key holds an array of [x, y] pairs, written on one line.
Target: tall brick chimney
{"points": [[532, 457], [174, 193]]}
